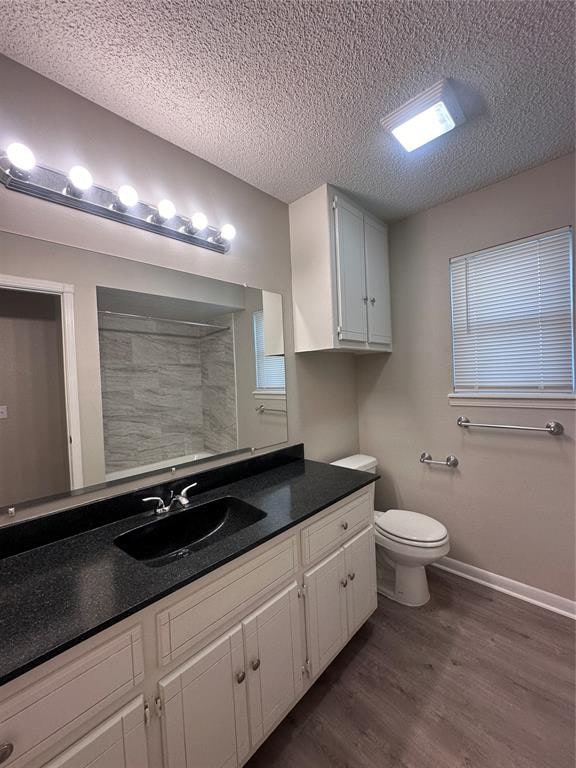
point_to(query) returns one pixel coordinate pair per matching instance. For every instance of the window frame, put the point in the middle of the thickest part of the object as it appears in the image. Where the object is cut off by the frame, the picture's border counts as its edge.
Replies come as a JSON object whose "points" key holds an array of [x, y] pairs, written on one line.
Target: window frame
{"points": [[546, 399], [261, 392]]}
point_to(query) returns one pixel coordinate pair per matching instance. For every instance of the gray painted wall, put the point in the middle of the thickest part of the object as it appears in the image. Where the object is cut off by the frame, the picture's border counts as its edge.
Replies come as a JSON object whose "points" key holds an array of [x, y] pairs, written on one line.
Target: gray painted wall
{"points": [[510, 506]]}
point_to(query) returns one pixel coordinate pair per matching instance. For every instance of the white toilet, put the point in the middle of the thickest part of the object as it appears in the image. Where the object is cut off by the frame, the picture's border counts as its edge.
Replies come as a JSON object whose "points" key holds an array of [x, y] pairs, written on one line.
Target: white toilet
{"points": [[406, 543]]}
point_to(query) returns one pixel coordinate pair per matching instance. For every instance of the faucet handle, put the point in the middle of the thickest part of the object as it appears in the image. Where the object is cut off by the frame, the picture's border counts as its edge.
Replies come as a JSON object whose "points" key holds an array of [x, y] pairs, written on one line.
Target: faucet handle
{"points": [[160, 506], [184, 491]]}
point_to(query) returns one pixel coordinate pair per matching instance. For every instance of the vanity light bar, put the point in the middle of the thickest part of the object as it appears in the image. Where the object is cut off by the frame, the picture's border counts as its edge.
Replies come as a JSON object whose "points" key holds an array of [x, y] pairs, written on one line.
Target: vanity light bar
{"points": [[19, 172]]}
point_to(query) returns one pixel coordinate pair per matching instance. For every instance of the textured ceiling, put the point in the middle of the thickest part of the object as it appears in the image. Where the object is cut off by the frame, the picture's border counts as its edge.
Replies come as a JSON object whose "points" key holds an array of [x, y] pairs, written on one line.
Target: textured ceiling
{"points": [[287, 94]]}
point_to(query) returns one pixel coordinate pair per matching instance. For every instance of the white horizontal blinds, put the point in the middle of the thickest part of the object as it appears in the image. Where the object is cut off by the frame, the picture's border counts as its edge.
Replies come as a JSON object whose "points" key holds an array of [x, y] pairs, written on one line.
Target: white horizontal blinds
{"points": [[512, 316], [269, 369]]}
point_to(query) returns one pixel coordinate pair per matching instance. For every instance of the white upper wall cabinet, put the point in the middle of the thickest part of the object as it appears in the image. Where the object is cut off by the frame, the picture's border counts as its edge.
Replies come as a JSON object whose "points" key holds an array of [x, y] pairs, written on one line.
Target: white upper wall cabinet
{"points": [[340, 275]]}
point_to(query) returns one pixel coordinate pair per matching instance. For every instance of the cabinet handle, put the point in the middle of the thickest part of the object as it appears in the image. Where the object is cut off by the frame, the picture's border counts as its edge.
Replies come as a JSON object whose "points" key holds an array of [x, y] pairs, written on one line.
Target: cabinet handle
{"points": [[351, 576], [344, 583], [373, 301], [255, 664], [345, 526], [5, 751], [365, 299], [240, 677]]}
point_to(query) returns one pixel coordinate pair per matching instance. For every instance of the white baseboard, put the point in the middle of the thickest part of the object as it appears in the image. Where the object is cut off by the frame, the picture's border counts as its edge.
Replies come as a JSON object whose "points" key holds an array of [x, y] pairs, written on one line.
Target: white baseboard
{"points": [[525, 592]]}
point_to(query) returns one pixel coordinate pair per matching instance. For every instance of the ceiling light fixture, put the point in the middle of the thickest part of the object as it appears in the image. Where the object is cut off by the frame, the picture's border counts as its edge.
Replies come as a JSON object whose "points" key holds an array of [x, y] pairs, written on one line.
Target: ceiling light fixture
{"points": [[226, 234], [426, 117], [19, 172], [165, 212], [21, 159], [197, 223], [79, 181], [127, 198]]}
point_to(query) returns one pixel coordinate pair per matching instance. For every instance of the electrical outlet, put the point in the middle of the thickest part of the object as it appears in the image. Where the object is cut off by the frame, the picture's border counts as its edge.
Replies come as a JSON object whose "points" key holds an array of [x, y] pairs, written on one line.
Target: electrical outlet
{"points": [[3, 411]]}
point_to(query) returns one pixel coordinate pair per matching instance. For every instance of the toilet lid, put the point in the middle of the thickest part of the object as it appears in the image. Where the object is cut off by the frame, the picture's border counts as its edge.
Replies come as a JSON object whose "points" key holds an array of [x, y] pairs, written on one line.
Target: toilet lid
{"points": [[411, 526]]}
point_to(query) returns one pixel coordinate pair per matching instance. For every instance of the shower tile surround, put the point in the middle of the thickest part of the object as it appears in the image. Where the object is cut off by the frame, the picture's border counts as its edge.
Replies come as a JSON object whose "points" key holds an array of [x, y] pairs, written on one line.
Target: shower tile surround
{"points": [[167, 390]]}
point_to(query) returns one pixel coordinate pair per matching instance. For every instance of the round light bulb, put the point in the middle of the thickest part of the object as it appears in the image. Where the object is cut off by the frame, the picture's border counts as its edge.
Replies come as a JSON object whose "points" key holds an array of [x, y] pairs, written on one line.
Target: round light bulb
{"points": [[228, 232], [166, 209], [199, 221], [127, 196], [21, 157], [80, 178]]}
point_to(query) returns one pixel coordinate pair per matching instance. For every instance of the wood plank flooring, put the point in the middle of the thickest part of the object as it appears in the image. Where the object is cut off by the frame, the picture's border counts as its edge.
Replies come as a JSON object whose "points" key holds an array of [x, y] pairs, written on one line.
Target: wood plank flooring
{"points": [[475, 679]]}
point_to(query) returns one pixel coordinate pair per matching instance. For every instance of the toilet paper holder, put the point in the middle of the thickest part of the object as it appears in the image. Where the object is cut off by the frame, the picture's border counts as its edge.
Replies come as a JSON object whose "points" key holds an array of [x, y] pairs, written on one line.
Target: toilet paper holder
{"points": [[450, 461]]}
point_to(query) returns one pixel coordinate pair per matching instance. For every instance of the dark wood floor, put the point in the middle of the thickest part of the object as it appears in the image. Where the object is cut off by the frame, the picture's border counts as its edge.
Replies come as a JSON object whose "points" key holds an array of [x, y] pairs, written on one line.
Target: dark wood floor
{"points": [[475, 679]]}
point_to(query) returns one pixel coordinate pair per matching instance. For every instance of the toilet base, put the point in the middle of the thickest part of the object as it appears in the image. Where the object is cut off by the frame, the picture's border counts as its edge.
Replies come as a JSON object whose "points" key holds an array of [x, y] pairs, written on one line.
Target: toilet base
{"points": [[410, 586]]}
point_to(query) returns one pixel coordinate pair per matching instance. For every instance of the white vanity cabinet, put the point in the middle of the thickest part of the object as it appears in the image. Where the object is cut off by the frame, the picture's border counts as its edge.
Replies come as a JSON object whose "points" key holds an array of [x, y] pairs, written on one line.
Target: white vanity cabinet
{"points": [[119, 742], [340, 596], [204, 708], [340, 275], [201, 677], [226, 699], [272, 638]]}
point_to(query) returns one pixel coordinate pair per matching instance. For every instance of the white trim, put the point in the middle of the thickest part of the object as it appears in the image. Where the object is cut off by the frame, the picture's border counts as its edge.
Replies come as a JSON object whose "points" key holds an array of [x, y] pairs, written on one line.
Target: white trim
{"points": [[133, 472], [548, 401], [66, 293], [269, 394], [529, 594]]}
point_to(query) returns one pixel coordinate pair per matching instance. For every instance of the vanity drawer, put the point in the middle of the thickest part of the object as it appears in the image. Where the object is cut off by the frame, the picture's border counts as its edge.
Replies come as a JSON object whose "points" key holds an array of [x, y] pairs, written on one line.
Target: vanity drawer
{"points": [[119, 742], [189, 621], [328, 533], [45, 711]]}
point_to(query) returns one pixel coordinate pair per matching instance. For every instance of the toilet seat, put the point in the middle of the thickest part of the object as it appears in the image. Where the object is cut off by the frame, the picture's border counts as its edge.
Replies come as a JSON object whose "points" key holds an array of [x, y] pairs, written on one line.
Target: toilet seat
{"points": [[410, 529]]}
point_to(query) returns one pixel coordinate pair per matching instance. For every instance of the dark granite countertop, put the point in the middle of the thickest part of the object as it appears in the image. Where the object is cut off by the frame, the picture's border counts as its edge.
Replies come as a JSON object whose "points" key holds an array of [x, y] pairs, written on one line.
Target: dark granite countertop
{"points": [[54, 596]]}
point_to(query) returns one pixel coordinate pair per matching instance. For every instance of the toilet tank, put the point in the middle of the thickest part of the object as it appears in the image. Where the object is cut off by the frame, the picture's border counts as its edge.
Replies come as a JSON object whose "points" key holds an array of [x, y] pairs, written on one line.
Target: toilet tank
{"points": [[361, 462]]}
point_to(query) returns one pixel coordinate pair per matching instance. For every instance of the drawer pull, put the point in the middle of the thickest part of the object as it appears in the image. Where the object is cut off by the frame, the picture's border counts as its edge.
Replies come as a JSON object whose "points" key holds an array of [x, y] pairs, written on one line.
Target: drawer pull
{"points": [[240, 677], [255, 664], [344, 583], [5, 751], [345, 526], [351, 576]]}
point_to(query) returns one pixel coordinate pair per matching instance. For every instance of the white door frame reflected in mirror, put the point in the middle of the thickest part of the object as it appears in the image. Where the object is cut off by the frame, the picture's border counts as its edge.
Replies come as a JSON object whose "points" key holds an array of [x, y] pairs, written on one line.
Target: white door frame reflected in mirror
{"points": [[65, 292]]}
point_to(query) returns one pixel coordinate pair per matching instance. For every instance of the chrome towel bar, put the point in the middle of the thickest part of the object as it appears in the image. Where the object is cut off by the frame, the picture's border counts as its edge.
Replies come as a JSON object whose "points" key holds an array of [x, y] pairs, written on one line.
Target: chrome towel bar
{"points": [[552, 427], [449, 461], [263, 409]]}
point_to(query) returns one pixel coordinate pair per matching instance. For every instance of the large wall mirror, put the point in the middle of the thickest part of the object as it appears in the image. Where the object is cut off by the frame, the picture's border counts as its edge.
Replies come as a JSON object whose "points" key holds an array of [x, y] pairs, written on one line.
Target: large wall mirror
{"points": [[112, 368]]}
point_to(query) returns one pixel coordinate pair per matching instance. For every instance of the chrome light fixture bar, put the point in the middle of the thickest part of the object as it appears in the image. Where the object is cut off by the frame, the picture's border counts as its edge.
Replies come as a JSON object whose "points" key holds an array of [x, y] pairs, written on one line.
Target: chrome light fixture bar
{"points": [[426, 117], [19, 172]]}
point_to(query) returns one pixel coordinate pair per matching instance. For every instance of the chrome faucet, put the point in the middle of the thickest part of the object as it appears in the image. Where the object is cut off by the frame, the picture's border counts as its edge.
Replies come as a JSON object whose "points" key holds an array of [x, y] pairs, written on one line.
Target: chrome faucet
{"points": [[181, 498], [160, 507]]}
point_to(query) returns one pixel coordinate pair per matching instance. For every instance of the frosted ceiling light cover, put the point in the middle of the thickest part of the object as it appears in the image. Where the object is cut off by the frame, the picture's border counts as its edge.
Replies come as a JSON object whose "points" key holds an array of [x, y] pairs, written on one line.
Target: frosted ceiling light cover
{"points": [[166, 209], [21, 157], [431, 114], [228, 232], [425, 127], [80, 178], [127, 196]]}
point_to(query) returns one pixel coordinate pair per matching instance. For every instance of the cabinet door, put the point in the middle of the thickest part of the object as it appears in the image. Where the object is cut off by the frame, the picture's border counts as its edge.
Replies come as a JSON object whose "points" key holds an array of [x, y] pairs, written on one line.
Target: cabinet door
{"points": [[351, 272], [326, 619], [205, 721], [361, 597], [377, 282], [120, 742], [273, 661]]}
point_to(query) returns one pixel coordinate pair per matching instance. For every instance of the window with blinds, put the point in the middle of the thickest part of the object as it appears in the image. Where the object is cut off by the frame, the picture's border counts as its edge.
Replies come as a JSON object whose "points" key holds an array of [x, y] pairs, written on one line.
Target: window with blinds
{"points": [[269, 368], [512, 317]]}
